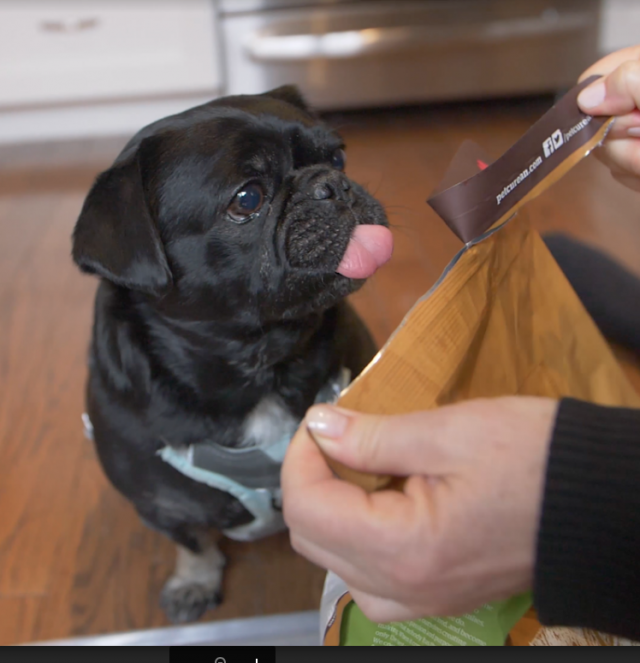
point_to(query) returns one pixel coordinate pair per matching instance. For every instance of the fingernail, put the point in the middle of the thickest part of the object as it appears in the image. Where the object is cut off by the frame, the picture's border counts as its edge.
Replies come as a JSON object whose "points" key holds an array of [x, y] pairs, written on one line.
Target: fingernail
{"points": [[327, 445], [592, 96], [634, 132], [326, 422]]}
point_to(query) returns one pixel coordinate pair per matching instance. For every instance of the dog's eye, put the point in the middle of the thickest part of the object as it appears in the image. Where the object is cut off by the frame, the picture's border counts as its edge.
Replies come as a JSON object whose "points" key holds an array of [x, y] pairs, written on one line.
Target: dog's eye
{"points": [[246, 203], [339, 159]]}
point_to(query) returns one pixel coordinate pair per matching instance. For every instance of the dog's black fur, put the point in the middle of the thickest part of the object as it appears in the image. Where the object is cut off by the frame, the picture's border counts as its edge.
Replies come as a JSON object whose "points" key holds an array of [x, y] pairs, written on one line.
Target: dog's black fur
{"points": [[200, 313]]}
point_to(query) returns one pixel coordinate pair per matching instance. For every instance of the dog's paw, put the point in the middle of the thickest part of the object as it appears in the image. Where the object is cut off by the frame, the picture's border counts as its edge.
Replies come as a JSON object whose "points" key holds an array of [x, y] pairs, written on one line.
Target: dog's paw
{"points": [[186, 601]]}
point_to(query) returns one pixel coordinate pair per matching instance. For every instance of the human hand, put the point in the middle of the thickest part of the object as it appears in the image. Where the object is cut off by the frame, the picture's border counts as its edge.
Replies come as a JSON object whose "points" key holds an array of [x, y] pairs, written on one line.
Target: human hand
{"points": [[617, 93], [462, 532]]}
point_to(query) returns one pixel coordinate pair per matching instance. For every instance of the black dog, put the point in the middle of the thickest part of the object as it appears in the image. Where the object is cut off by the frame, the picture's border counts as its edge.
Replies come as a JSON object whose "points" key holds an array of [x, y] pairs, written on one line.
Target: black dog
{"points": [[226, 238]]}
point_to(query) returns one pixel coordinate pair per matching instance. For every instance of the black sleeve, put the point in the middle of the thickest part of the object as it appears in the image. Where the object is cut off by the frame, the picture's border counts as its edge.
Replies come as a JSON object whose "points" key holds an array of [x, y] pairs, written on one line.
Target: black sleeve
{"points": [[609, 292], [588, 551]]}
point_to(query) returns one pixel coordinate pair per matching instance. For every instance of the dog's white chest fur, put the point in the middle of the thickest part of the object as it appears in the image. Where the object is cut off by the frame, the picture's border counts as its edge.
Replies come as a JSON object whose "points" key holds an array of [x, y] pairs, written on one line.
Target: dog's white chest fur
{"points": [[270, 426]]}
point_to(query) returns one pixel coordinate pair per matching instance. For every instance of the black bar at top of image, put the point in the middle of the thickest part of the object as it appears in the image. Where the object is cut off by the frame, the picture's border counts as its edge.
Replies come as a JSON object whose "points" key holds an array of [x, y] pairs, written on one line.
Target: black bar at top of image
{"points": [[222, 654]]}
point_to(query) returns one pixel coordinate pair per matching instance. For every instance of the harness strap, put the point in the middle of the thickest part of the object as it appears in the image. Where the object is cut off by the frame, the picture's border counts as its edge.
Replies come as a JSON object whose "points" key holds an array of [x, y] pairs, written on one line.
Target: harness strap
{"points": [[251, 475]]}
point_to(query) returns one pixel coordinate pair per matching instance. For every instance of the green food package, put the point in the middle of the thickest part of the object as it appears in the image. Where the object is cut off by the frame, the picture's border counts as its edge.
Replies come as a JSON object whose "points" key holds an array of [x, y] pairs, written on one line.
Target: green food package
{"points": [[487, 626]]}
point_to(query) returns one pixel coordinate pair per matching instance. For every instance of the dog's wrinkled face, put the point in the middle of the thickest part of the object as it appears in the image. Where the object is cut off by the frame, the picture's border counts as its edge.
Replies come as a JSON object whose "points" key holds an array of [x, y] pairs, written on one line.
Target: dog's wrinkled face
{"points": [[237, 210]]}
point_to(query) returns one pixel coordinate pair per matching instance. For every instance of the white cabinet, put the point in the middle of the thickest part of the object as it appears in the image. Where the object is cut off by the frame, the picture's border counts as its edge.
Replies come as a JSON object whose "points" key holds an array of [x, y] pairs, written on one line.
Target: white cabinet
{"points": [[71, 51]]}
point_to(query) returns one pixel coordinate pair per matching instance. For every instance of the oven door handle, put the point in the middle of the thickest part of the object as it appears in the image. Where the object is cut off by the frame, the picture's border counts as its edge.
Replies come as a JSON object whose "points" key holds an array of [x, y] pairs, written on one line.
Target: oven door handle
{"points": [[357, 43]]}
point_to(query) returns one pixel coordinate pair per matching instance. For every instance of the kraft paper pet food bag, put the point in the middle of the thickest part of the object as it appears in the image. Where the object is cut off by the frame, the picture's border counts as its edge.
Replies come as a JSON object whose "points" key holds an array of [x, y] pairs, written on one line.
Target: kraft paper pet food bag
{"points": [[501, 320]]}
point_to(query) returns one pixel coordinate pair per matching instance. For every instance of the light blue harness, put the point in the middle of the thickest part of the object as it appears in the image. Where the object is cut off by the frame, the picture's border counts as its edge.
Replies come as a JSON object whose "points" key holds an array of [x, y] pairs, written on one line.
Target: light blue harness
{"points": [[251, 474]]}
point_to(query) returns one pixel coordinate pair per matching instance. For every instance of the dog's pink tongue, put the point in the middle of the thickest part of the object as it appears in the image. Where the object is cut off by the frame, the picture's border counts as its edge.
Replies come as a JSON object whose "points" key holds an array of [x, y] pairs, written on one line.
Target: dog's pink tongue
{"points": [[369, 248]]}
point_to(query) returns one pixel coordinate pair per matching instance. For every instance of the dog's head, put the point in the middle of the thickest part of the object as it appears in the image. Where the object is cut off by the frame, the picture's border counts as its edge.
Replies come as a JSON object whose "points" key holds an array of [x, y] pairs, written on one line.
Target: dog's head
{"points": [[238, 209]]}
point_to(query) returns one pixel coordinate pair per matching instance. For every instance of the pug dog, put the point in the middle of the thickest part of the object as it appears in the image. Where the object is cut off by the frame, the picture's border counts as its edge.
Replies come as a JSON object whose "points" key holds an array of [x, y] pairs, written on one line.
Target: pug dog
{"points": [[226, 239]]}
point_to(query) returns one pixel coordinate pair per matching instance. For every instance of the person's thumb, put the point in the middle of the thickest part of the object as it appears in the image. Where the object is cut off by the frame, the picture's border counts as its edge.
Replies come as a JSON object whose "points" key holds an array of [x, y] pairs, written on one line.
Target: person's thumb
{"points": [[616, 94], [401, 445]]}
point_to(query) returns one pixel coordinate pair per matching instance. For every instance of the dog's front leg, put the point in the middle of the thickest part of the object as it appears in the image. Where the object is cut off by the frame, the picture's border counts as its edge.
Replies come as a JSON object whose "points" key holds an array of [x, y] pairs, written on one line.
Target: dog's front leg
{"points": [[196, 583]]}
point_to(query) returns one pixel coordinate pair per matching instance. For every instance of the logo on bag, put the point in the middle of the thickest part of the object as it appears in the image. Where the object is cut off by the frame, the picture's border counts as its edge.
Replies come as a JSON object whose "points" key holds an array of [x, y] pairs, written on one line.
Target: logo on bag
{"points": [[558, 139], [553, 143]]}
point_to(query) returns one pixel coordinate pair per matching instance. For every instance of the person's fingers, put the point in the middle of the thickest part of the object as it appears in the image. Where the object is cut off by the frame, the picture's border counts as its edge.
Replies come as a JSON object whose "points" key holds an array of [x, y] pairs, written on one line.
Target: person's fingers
{"points": [[381, 610], [630, 181], [623, 159], [612, 61], [318, 506], [311, 494], [339, 526], [365, 573], [352, 573], [625, 126], [616, 94], [364, 570], [304, 462], [402, 445]]}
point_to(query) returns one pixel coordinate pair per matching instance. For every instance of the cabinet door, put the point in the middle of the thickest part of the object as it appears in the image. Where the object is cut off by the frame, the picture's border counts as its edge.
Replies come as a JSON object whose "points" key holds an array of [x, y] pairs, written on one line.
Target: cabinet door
{"points": [[62, 51]]}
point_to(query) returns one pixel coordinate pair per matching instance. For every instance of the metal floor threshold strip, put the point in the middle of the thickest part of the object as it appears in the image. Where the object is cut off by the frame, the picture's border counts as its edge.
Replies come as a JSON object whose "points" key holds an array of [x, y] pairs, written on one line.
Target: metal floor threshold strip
{"points": [[298, 629]]}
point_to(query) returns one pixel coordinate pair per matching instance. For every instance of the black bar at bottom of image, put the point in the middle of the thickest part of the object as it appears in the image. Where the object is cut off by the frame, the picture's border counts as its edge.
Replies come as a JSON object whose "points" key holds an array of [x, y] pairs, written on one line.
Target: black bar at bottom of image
{"points": [[371, 655], [216, 654], [221, 654]]}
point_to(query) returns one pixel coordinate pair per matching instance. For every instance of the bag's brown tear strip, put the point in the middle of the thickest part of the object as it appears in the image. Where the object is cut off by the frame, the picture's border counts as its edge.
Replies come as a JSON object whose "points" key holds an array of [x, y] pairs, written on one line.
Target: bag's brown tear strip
{"points": [[549, 149]]}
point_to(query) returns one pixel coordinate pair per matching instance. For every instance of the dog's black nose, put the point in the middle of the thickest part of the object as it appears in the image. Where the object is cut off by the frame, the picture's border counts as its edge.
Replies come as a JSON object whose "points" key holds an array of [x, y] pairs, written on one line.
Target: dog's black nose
{"points": [[335, 187]]}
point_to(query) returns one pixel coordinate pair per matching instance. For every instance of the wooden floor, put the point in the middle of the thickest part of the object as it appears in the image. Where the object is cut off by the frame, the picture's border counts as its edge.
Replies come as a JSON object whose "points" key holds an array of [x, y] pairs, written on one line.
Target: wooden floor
{"points": [[74, 559]]}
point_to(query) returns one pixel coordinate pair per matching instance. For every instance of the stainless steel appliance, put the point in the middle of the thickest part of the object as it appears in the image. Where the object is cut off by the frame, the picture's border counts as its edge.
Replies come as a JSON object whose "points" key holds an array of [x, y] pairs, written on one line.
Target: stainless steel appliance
{"points": [[356, 53]]}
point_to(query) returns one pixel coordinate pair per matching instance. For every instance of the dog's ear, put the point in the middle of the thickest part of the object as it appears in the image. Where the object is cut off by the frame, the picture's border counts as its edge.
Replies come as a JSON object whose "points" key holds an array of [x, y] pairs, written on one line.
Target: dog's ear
{"points": [[116, 237], [291, 94]]}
